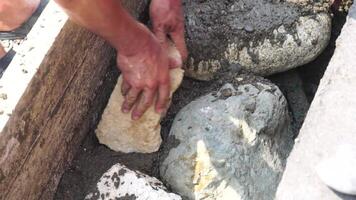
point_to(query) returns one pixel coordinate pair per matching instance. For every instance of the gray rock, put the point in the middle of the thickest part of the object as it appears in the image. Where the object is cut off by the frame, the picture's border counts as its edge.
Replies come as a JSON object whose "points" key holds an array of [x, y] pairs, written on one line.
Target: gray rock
{"points": [[291, 85], [120, 182], [263, 36], [231, 144]]}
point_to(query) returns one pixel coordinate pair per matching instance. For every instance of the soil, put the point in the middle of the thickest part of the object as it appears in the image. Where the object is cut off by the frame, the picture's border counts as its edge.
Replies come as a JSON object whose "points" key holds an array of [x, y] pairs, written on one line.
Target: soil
{"points": [[93, 159]]}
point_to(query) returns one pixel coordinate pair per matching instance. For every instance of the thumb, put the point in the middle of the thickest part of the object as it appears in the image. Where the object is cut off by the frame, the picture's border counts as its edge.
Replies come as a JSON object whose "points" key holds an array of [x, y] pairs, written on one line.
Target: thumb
{"points": [[175, 62], [175, 58], [161, 35], [179, 41]]}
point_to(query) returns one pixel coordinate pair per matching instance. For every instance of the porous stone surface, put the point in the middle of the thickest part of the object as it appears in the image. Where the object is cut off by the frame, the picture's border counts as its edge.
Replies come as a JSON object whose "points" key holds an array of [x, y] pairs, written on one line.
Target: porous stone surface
{"points": [[260, 36], [120, 133], [120, 182], [330, 123], [230, 144]]}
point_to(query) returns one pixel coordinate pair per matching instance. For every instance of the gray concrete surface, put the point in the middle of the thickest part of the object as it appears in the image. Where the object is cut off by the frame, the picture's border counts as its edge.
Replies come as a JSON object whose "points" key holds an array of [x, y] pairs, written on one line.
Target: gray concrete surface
{"points": [[331, 122]]}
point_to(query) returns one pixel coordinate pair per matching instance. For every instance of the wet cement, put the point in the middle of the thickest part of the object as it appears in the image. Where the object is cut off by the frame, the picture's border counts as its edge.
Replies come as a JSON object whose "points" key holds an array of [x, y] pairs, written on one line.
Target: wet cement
{"points": [[211, 25]]}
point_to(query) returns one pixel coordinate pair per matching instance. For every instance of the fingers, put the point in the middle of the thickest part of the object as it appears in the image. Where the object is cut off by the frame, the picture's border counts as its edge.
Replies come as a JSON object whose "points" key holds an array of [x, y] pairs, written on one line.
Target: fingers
{"points": [[143, 104], [140, 102], [125, 88], [179, 40], [161, 35], [163, 98], [175, 62], [130, 99]]}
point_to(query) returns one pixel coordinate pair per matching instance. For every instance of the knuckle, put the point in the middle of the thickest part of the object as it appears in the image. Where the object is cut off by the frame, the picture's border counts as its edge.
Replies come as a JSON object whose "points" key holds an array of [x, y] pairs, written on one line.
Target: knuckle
{"points": [[130, 99], [151, 84], [136, 84], [146, 104]]}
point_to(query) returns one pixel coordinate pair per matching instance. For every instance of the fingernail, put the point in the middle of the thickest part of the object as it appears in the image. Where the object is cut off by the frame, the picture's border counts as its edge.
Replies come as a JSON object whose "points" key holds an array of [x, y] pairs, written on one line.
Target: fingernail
{"points": [[136, 117], [159, 110], [125, 110]]}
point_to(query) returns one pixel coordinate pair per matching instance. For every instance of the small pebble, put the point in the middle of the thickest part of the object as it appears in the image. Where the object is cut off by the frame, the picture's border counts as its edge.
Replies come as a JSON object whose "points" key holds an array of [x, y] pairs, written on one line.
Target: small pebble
{"points": [[226, 92], [24, 71], [239, 79]]}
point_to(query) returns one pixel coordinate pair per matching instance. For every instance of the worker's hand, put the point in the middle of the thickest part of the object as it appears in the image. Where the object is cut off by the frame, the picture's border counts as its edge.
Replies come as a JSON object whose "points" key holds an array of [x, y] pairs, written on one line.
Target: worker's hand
{"points": [[168, 20], [146, 75]]}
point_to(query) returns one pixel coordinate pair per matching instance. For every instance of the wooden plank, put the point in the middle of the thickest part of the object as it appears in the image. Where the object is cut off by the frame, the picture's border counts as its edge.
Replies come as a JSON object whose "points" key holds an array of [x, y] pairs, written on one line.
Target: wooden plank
{"points": [[54, 104]]}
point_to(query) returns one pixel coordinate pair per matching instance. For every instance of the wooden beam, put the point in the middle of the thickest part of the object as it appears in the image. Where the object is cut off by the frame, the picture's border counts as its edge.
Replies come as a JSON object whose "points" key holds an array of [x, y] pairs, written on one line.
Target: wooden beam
{"points": [[52, 95]]}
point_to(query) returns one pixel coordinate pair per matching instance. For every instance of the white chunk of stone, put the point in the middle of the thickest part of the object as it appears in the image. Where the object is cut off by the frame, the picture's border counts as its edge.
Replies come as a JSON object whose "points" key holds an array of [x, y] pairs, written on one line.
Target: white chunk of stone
{"points": [[231, 145], [120, 133], [120, 182], [330, 123]]}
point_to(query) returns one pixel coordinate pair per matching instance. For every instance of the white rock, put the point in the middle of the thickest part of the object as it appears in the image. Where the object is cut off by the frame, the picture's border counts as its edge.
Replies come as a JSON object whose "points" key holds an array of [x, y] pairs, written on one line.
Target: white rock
{"points": [[330, 122], [120, 182], [232, 145], [339, 171], [120, 133], [261, 36]]}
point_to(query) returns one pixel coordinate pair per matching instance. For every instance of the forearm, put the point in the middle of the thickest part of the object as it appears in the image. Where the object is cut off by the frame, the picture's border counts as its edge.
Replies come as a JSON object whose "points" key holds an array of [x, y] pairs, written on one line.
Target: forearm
{"points": [[108, 19]]}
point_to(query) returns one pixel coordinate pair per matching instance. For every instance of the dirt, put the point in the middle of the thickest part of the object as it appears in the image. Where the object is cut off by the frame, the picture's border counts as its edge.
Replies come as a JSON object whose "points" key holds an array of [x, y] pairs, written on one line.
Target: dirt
{"points": [[93, 159]]}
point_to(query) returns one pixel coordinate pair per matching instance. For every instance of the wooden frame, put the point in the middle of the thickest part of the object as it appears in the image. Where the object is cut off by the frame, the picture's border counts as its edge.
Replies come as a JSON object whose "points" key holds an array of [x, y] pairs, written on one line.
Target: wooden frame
{"points": [[51, 95]]}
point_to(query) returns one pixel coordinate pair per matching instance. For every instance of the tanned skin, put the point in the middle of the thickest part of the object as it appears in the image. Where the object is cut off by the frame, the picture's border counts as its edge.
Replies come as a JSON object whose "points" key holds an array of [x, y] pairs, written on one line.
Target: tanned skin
{"points": [[142, 57], [14, 12]]}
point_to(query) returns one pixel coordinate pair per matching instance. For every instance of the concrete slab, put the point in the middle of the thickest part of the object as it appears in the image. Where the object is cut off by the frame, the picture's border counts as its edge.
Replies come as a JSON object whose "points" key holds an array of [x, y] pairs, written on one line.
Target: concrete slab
{"points": [[331, 122]]}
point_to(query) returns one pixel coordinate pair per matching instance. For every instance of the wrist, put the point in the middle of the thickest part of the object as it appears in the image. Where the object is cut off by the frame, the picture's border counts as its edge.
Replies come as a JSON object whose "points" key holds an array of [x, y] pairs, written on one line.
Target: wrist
{"points": [[136, 39]]}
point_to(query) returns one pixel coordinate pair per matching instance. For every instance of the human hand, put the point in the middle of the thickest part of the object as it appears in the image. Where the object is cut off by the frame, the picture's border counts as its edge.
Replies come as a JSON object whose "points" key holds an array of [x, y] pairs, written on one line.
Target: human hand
{"points": [[168, 20], [146, 76]]}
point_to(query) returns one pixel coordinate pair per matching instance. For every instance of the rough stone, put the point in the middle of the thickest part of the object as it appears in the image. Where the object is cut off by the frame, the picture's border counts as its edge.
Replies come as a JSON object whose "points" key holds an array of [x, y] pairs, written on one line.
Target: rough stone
{"points": [[291, 85], [120, 182], [230, 144], [120, 133], [330, 123], [260, 36]]}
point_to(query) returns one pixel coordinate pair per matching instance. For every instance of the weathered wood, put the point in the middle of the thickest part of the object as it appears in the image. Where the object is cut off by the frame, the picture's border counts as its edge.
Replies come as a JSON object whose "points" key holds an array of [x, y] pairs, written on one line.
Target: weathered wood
{"points": [[52, 110]]}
